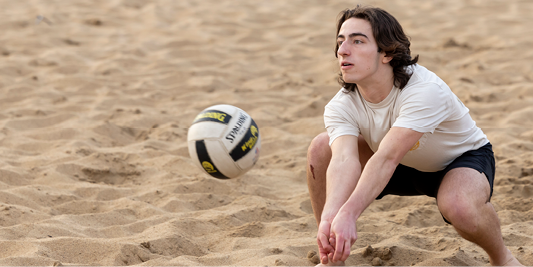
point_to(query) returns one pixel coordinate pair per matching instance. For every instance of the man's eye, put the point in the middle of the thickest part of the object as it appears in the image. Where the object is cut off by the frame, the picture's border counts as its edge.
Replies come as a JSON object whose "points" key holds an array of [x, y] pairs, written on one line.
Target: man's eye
{"points": [[339, 43], [357, 42]]}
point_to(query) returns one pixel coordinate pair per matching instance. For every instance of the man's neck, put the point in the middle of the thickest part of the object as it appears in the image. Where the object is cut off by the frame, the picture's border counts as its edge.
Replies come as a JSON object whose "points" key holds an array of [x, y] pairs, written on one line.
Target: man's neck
{"points": [[376, 91]]}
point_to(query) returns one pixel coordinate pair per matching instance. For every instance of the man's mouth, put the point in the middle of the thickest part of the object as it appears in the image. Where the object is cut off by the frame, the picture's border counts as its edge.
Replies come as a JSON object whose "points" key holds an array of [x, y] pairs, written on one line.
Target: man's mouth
{"points": [[346, 65]]}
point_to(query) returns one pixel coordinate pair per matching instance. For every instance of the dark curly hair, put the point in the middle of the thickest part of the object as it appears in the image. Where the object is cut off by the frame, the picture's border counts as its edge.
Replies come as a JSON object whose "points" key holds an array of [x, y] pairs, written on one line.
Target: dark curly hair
{"points": [[390, 39]]}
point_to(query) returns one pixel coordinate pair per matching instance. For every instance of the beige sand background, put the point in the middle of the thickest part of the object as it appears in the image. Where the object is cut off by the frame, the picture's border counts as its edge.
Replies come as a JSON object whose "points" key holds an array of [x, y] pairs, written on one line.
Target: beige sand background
{"points": [[96, 100]]}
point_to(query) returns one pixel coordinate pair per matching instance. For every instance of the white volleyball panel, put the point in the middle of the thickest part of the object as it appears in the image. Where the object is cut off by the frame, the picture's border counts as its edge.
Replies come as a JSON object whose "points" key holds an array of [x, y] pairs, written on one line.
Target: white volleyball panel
{"points": [[221, 159], [249, 160]]}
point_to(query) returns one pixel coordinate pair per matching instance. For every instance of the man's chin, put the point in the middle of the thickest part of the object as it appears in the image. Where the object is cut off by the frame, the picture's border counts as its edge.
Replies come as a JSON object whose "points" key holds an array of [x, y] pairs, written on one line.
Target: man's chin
{"points": [[348, 79]]}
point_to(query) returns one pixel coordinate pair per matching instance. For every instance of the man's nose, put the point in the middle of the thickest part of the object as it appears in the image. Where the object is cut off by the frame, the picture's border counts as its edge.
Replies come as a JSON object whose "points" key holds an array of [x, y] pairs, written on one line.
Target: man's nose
{"points": [[343, 50]]}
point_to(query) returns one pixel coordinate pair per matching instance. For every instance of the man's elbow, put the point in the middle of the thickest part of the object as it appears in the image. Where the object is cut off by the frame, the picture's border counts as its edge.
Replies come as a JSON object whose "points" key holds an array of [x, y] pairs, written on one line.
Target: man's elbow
{"points": [[344, 162], [388, 159]]}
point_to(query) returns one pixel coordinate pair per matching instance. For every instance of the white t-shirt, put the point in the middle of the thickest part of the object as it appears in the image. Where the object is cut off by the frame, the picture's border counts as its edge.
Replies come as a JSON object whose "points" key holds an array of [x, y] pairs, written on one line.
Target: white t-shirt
{"points": [[426, 104]]}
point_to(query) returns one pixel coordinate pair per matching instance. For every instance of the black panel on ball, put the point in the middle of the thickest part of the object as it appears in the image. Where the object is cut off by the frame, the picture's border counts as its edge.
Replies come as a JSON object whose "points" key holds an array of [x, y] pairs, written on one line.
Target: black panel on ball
{"points": [[247, 142], [206, 161]]}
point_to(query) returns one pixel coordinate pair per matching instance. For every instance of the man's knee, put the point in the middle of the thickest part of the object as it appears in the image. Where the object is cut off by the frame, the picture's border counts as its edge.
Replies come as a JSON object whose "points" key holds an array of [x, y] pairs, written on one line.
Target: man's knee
{"points": [[459, 211], [319, 150], [463, 194]]}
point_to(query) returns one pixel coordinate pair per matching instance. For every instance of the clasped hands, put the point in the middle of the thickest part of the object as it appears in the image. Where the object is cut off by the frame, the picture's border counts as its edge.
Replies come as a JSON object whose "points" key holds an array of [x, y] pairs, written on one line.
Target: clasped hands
{"points": [[335, 238]]}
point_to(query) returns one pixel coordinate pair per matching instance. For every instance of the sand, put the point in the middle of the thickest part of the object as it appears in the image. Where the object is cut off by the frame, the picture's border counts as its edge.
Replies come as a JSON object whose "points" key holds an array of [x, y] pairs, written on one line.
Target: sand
{"points": [[96, 100]]}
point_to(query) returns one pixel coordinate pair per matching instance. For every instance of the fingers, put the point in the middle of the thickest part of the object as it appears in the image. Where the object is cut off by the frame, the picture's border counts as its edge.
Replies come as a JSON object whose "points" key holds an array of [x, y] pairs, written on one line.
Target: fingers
{"points": [[346, 253], [323, 236], [324, 260], [324, 242], [339, 249], [324, 247], [342, 250], [332, 242]]}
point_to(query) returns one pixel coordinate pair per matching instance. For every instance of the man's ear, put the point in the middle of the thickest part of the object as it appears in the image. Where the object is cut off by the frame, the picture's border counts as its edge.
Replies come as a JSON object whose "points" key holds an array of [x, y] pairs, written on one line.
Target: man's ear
{"points": [[386, 60]]}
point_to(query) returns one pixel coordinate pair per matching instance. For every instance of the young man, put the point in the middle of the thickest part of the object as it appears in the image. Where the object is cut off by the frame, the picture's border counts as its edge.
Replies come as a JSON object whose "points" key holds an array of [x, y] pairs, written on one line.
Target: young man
{"points": [[397, 128]]}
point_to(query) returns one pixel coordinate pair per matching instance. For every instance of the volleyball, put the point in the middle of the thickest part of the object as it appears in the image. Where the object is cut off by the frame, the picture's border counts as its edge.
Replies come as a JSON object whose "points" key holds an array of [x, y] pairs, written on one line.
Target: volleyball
{"points": [[224, 141]]}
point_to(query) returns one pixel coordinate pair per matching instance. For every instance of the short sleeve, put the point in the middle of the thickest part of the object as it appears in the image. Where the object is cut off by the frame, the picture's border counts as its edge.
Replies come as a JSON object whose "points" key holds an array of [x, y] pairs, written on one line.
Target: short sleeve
{"points": [[339, 122], [424, 107]]}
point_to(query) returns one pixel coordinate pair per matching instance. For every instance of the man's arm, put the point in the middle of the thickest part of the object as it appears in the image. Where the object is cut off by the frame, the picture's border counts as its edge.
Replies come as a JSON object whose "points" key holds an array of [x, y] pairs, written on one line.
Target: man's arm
{"points": [[342, 174], [374, 178], [341, 178]]}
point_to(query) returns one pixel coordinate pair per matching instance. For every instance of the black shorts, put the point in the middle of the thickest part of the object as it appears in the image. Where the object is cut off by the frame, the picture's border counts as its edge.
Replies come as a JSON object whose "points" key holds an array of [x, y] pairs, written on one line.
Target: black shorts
{"points": [[407, 181]]}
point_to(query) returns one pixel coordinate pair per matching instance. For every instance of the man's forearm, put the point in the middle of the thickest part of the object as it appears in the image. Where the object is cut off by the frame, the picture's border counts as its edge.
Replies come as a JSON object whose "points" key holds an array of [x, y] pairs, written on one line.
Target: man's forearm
{"points": [[342, 177], [374, 179]]}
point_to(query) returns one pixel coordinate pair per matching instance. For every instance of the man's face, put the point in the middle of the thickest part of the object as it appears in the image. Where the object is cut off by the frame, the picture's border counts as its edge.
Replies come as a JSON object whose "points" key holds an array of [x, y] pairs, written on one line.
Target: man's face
{"points": [[358, 54]]}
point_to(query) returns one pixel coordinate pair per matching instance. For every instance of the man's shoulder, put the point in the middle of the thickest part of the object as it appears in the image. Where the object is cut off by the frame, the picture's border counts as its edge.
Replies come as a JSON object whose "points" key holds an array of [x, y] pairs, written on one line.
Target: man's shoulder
{"points": [[345, 104], [421, 76], [343, 97]]}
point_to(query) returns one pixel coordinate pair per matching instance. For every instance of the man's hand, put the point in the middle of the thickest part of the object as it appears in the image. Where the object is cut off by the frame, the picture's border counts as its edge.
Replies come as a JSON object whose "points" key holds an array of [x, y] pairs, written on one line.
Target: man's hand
{"points": [[325, 248], [343, 234]]}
